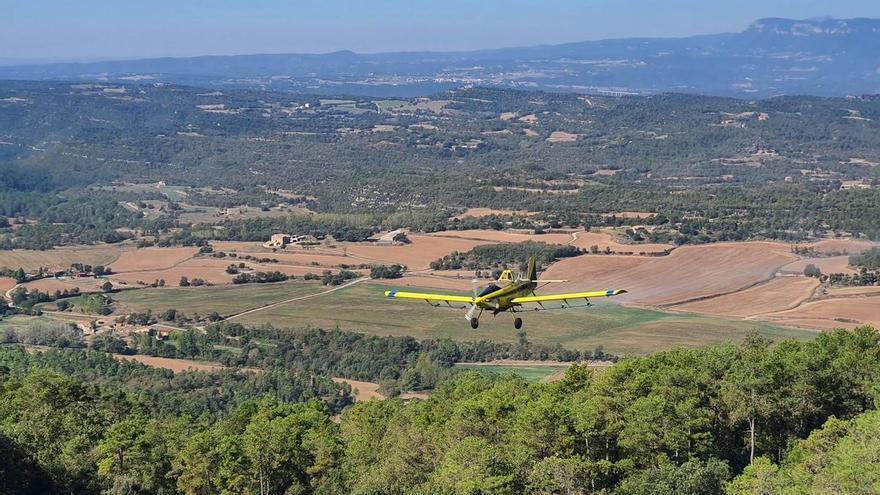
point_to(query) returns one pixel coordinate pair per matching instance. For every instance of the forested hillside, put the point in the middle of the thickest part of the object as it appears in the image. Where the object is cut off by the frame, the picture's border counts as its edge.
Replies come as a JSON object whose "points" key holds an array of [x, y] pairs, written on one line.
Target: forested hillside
{"points": [[740, 419], [82, 162]]}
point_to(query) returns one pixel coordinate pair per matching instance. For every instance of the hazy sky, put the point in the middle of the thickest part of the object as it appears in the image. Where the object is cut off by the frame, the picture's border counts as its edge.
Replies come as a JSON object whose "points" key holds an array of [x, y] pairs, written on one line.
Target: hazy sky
{"points": [[96, 29]]}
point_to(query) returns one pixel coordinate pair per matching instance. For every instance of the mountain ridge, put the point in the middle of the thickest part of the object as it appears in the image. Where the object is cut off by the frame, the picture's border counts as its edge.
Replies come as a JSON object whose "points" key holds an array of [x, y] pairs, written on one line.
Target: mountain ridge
{"points": [[773, 56]]}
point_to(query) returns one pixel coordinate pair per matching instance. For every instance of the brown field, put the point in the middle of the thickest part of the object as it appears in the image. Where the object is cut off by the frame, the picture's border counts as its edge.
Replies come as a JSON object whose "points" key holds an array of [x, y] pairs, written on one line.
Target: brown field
{"points": [[362, 391], [850, 246], [504, 236], [300, 257], [170, 264], [422, 250], [149, 259], [562, 137], [778, 294], [6, 283], [297, 271], [175, 365], [589, 269], [325, 256], [852, 291], [239, 246], [211, 270], [50, 285], [61, 258], [831, 313], [834, 264], [585, 240], [687, 273], [485, 212]]}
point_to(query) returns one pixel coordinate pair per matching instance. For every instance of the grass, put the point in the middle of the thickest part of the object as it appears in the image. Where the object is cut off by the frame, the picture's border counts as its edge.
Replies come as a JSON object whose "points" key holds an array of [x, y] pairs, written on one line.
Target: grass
{"points": [[224, 299], [531, 373], [615, 328], [363, 308], [386, 105], [16, 322]]}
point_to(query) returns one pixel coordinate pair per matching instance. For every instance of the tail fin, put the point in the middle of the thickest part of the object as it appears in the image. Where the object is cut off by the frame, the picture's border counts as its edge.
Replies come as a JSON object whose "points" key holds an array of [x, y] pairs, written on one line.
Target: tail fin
{"points": [[532, 273]]}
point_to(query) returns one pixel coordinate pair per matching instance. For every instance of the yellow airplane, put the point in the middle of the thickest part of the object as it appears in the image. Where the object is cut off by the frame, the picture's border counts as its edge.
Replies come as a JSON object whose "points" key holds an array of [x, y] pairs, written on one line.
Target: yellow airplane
{"points": [[508, 293]]}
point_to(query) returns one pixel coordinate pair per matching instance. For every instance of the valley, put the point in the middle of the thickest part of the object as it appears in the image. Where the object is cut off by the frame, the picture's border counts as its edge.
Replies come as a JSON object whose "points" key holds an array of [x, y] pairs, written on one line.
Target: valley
{"points": [[695, 295], [362, 248]]}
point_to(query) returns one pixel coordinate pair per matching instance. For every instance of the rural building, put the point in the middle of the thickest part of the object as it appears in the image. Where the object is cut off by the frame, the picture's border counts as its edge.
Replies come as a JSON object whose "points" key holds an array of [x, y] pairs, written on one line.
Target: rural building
{"points": [[278, 240], [281, 240], [393, 237], [159, 332]]}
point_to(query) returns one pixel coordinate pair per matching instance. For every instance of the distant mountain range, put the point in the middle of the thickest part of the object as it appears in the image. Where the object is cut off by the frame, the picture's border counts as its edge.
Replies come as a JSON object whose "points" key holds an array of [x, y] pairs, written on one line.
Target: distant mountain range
{"points": [[826, 57]]}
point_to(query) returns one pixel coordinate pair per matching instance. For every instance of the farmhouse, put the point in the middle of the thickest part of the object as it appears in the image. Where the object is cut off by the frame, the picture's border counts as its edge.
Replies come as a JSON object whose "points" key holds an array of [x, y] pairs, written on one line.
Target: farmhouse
{"points": [[282, 240], [394, 237], [279, 240]]}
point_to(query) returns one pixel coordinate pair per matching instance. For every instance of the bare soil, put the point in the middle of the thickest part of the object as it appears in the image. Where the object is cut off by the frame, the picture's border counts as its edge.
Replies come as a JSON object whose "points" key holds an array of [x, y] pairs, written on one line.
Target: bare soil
{"points": [[152, 258], [688, 273], [362, 391], [778, 294]]}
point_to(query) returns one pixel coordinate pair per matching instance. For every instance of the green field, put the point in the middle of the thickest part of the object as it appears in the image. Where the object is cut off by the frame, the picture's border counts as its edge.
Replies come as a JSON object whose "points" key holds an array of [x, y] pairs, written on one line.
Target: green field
{"points": [[224, 299], [530, 373], [363, 308], [16, 322], [617, 329]]}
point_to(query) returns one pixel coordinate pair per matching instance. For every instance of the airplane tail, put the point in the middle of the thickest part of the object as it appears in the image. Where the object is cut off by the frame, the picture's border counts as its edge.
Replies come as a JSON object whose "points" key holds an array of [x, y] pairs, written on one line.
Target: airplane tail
{"points": [[532, 272]]}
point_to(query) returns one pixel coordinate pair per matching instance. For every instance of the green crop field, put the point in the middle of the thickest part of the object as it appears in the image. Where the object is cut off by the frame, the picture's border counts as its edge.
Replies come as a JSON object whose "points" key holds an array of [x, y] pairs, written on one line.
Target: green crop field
{"points": [[16, 322], [617, 329], [224, 299], [530, 373], [363, 308]]}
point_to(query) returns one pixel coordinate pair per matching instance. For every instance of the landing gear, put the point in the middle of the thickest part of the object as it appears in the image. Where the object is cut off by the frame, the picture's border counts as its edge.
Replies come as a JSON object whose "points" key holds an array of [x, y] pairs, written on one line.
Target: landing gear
{"points": [[475, 323], [517, 323]]}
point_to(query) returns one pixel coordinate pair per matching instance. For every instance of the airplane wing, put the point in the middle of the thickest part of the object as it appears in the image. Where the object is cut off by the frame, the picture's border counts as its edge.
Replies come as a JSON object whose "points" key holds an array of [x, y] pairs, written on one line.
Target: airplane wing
{"points": [[447, 298], [565, 297]]}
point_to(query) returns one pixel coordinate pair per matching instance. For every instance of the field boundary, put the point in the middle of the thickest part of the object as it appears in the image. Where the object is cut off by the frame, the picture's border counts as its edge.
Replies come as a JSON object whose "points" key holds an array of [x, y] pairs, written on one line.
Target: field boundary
{"points": [[293, 299]]}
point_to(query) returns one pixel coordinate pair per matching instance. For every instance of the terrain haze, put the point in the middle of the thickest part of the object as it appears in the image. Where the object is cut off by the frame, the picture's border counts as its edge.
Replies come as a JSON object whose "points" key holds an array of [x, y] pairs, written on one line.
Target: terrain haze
{"points": [[772, 56], [82, 30]]}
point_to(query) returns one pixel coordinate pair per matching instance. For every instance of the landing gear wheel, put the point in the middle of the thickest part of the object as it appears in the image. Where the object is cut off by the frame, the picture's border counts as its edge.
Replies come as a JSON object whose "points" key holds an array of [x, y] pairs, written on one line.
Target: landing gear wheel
{"points": [[517, 323], [475, 323]]}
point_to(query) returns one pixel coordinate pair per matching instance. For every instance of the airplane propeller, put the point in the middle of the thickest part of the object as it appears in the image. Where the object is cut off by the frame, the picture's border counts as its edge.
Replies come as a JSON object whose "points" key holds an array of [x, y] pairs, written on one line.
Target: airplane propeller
{"points": [[475, 288]]}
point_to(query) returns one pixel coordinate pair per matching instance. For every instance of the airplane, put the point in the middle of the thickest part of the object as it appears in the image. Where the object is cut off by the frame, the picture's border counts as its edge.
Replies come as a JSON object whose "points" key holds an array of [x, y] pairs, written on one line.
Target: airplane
{"points": [[508, 293]]}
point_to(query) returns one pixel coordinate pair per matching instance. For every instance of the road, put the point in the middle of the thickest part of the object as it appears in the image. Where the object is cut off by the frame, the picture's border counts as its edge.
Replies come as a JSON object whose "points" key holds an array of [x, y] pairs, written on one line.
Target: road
{"points": [[294, 299]]}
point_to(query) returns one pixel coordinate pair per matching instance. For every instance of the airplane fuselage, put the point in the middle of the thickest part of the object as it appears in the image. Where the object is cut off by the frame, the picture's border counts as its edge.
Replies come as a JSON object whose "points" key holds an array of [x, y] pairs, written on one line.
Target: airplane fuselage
{"points": [[497, 298]]}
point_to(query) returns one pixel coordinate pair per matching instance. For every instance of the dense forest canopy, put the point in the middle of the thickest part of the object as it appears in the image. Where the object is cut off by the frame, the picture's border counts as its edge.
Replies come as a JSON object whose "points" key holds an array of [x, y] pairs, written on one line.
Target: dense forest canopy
{"points": [[752, 418]]}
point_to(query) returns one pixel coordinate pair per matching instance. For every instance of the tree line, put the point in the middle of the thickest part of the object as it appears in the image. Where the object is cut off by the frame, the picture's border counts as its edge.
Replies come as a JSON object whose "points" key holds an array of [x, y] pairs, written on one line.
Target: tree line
{"points": [[748, 418]]}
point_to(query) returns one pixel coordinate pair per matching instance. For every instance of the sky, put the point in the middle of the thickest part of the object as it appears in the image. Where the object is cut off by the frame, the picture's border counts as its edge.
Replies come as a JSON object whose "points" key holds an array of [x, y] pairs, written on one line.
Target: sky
{"points": [[47, 30]]}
